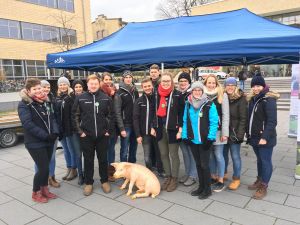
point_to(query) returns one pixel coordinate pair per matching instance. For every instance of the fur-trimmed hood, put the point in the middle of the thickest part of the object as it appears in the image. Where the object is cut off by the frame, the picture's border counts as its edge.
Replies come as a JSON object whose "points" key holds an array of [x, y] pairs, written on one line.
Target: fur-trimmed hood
{"points": [[26, 98], [268, 93], [236, 95]]}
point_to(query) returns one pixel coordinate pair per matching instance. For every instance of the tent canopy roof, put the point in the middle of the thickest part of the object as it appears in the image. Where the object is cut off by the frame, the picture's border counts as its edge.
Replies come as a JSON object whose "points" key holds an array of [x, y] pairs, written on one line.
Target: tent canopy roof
{"points": [[221, 39]]}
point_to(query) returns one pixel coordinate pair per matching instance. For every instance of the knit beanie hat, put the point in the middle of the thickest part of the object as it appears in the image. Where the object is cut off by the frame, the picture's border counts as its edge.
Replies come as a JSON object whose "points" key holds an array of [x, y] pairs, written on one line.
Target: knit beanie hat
{"points": [[197, 84], [63, 80], [258, 80], [127, 73], [184, 75], [230, 81], [44, 83], [77, 82]]}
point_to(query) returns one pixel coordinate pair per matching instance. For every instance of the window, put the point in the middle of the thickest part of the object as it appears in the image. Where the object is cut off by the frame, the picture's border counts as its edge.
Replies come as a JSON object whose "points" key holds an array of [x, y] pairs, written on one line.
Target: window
{"points": [[12, 68], [68, 36], [9, 29], [36, 68], [67, 5]]}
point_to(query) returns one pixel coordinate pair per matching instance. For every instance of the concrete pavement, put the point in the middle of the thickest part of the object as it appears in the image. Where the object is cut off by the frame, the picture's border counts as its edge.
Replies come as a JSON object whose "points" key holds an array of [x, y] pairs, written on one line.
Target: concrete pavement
{"points": [[280, 207]]}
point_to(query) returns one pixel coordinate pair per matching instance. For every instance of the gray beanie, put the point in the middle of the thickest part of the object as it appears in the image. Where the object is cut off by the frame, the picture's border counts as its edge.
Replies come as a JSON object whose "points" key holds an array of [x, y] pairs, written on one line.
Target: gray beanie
{"points": [[127, 73], [230, 81], [197, 84], [63, 80], [44, 83]]}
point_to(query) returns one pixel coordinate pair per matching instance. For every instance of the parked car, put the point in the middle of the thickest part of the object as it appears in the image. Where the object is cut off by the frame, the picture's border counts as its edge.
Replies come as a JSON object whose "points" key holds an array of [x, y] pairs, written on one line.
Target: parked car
{"points": [[204, 73]]}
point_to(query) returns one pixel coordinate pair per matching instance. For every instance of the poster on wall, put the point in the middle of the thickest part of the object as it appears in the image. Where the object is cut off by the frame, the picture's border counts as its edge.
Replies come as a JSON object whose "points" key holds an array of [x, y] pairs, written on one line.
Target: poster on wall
{"points": [[294, 106]]}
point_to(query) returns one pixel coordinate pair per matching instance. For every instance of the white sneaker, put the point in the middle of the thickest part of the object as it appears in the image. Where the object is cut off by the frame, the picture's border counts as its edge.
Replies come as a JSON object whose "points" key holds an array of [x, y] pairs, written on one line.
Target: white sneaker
{"points": [[190, 181], [183, 179]]}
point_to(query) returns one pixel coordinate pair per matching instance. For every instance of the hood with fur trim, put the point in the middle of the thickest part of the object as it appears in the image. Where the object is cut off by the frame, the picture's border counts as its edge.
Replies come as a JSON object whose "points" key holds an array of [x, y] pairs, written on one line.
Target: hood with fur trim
{"points": [[236, 95], [270, 94], [26, 98]]}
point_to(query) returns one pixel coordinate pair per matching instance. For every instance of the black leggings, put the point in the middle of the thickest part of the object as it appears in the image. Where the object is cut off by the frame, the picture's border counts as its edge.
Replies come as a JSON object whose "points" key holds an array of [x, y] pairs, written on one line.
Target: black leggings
{"points": [[201, 156], [41, 157]]}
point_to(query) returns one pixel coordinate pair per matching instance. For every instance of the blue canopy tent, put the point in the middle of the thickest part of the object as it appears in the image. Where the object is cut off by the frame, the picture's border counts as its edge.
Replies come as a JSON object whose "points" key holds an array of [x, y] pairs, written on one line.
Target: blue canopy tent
{"points": [[222, 39]]}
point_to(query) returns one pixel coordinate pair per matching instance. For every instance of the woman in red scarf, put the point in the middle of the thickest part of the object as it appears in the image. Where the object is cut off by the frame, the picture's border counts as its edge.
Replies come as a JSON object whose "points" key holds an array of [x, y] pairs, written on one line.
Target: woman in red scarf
{"points": [[167, 126]]}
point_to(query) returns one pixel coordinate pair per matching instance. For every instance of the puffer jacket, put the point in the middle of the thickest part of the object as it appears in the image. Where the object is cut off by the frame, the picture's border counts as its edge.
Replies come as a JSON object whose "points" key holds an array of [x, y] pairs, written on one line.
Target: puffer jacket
{"points": [[262, 117], [238, 108], [38, 121]]}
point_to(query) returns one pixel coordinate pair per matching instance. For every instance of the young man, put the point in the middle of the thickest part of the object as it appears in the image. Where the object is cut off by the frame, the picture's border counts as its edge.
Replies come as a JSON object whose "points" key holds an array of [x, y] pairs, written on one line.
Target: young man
{"points": [[92, 115], [143, 112], [155, 75], [123, 106]]}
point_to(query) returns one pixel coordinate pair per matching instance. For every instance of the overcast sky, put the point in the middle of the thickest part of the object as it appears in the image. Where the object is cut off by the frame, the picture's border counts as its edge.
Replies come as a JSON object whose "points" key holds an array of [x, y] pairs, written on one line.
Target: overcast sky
{"points": [[128, 10]]}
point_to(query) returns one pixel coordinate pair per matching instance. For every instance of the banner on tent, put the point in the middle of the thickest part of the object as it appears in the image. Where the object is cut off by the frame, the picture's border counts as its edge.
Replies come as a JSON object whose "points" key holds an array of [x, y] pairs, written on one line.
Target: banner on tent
{"points": [[294, 106]]}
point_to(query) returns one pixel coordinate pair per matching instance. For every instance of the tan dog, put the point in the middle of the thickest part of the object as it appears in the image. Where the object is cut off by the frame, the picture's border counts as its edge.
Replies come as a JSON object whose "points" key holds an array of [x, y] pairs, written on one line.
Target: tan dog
{"points": [[138, 175]]}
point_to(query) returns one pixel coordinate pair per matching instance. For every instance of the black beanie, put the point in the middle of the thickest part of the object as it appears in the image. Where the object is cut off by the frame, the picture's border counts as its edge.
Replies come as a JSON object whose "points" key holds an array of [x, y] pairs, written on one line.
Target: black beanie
{"points": [[184, 75], [258, 80], [77, 82]]}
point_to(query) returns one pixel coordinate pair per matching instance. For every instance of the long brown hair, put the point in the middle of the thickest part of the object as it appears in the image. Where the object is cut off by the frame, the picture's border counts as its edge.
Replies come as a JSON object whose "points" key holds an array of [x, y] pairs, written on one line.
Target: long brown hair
{"points": [[219, 89]]}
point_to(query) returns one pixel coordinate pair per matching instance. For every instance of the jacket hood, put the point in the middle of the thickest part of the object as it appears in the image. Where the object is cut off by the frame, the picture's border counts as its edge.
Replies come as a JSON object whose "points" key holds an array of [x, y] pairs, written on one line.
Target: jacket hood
{"points": [[129, 88], [236, 95], [266, 92], [25, 97]]}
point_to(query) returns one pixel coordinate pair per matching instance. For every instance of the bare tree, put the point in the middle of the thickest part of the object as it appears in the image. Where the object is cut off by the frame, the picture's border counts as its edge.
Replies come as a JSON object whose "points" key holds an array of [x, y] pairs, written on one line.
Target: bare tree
{"points": [[176, 8]]}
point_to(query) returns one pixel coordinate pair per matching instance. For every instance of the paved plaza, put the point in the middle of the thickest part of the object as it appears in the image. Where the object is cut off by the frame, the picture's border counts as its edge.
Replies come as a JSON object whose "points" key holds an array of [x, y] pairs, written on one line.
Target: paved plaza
{"points": [[280, 207]]}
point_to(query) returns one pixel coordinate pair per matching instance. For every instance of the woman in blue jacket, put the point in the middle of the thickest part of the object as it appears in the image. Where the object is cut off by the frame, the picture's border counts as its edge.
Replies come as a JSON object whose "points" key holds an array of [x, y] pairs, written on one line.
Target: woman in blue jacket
{"points": [[200, 125]]}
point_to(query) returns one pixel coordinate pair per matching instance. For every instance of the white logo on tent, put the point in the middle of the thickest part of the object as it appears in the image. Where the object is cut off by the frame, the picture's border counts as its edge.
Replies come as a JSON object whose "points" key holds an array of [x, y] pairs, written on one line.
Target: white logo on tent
{"points": [[59, 60]]}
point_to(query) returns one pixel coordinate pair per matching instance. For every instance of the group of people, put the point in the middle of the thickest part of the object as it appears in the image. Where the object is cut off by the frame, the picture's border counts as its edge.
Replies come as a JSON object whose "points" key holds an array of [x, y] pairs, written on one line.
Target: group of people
{"points": [[205, 120]]}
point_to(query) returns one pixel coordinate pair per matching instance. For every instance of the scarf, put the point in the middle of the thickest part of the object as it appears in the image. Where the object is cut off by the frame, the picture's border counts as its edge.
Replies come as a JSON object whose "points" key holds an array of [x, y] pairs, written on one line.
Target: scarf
{"points": [[162, 108], [40, 98], [211, 94], [184, 90], [109, 90], [197, 102]]}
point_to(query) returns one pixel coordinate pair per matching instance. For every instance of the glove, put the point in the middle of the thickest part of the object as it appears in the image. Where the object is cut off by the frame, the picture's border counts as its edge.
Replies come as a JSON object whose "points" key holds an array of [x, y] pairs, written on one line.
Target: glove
{"points": [[52, 137], [207, 144], [187, 141]]}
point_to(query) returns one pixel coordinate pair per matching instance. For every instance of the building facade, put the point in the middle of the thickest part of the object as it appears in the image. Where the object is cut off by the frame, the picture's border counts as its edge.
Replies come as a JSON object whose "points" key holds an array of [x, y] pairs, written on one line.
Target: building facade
{"points": [[30, 29], [282, 11], [103, 26]]}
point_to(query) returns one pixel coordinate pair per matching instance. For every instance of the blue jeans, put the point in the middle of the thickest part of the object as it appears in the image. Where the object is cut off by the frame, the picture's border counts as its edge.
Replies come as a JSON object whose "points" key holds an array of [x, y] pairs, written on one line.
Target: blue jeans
{"points": [[78, 152], [69, 152], [111, 149], [216, 161], [189, 161], [242, 84], [264, 162], [235, 156], [52, 164], [128, 144]]}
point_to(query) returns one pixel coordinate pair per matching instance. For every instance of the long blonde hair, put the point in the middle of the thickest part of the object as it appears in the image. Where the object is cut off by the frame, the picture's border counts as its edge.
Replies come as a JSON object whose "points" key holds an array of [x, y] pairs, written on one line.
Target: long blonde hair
{"points": [[70, 90], [219, 89]]}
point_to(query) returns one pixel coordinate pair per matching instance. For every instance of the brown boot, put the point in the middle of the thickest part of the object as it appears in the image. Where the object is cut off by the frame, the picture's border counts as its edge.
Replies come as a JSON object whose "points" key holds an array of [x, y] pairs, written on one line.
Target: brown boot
{"points": [[67, 174], [173, 185], [165, 184], [53, 182], [106, 187], [261, 192], [88, 189], [235, 183], [255, 185], [73, 174]]}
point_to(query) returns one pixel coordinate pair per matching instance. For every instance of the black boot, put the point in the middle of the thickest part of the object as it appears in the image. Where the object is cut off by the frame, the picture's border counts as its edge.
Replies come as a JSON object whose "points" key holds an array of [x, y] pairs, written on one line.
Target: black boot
{"points": [[205, 194], [197, 192], [80, 179]]}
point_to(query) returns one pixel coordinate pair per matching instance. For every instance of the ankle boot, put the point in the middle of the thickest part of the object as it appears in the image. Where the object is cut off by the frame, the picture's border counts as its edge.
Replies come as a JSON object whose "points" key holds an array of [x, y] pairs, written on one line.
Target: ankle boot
{"points": [[166, 183], [255, 185], [261, 192], [197, 192], [67, 174], [46, 193], [73, 174], [53, 182], [80, 180], [235, 183], [205, 194], [38, 197], [172, 185]]}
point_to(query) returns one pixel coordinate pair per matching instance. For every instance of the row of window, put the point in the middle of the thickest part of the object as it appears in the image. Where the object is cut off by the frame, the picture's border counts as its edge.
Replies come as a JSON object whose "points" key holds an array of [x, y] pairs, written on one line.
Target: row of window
{"points": [[292, 19], [67, 5], [36, 32]]}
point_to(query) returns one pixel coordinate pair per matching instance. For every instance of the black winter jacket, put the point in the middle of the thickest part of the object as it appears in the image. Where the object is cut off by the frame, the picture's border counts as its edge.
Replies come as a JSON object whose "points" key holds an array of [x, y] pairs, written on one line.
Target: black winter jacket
{"points": [[123, 106], [92, 114], [262, 118], [238, 108], [143, 113], [38, 121]]}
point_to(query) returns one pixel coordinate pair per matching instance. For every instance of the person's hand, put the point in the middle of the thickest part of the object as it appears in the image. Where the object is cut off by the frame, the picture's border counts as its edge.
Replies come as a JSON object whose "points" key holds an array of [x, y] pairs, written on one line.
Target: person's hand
{"points": [[52, 137], [224, 138], [178, 135], [139, 140], [153, 132], [123, 133], [106, 134], [262, 141], [207, 144], [83, 135]]}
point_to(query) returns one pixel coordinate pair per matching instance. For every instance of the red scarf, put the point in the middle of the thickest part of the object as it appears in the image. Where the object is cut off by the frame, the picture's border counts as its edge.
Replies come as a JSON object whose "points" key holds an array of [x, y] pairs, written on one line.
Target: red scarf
{"points": [[162, 108], [40, 98]]}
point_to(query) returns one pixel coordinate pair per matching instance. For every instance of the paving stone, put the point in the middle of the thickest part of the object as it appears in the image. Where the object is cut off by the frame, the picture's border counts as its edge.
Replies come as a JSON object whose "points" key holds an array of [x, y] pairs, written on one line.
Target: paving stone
{"points": [[284, 188], [238, 215], [103, 206], [5, 165], [231, 198], [291, 160], [10, 157], [92, 219], [284, 171], [187, 216], [293, 201], [26, 163], [138, 217], [23, 194], [284, 222], [8, 183], [115, 190], [4, 198], [286, 165], [27, 180], [60, 210], [68, 192], [16, 213], [17, 172], [187, 189], [155, 206], [2, 223], [44, 221], [275, 210], [297, 183], [185, 199]]}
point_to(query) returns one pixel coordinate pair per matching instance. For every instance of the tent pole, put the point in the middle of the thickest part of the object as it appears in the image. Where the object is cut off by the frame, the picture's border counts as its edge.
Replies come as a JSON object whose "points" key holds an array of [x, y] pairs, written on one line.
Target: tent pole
{"points": [[162, 67]]}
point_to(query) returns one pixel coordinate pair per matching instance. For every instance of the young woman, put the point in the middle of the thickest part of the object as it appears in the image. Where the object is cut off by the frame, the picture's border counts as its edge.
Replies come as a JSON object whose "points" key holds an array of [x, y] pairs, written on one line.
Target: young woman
{"points": [[200, 124], [184, 83], [215, 93], [168, 126], [261, 134], [40, 133], [78, 88], [64, 104], [238, 108]]}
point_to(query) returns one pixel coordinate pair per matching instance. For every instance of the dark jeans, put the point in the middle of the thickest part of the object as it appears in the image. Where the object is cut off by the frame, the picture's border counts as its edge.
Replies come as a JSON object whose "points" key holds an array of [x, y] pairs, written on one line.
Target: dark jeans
{"points": [[147, 144], [111, 149], [155, 155], [201, 157], [78, 153], [41, 157], [89, 145], [264, 162], [128, 144]]}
